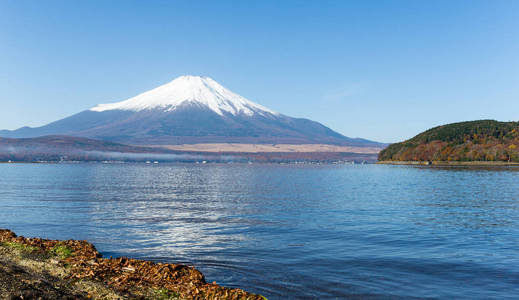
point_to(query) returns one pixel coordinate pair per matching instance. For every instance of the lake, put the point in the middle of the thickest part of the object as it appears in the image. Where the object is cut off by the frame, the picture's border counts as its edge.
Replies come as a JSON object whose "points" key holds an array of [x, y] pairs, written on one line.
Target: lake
{"points": [[288, 231]]}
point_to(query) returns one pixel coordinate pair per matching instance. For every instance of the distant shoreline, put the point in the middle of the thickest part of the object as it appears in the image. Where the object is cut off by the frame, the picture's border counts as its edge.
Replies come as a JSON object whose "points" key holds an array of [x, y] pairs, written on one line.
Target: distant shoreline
{"points": [[268, 148], [449, 163], [116, 162]]}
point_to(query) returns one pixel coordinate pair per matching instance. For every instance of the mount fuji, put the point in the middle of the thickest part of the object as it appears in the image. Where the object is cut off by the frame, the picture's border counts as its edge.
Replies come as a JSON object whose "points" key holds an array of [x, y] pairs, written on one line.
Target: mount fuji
{"points": [[190, 110]]}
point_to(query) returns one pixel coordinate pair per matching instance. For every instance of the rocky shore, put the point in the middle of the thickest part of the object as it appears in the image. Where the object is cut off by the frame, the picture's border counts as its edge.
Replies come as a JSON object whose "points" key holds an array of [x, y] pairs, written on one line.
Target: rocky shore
{"points": [[34, 268]]}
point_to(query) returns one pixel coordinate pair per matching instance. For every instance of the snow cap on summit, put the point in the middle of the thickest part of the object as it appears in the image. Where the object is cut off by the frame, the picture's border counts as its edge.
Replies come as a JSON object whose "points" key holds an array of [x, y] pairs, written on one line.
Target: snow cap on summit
{"points": [[189, 89]]}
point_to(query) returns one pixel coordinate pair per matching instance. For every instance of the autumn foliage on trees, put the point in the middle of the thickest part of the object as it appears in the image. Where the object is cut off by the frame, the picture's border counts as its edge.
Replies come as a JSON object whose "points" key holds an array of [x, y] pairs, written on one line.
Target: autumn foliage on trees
{"points": [[483, 140]]}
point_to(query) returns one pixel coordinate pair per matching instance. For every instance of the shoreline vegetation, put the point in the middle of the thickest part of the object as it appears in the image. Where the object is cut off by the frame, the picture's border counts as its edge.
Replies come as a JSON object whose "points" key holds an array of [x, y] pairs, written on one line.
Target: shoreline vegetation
{"points": [[448, 163], [474, 142], [34, 268]]}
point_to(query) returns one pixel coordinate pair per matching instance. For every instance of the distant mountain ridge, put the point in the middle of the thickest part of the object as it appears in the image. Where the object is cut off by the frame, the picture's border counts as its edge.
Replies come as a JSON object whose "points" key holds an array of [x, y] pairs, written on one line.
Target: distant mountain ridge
{"points": [[53, 148], [190, 110], [482, 140], [67, 148]]}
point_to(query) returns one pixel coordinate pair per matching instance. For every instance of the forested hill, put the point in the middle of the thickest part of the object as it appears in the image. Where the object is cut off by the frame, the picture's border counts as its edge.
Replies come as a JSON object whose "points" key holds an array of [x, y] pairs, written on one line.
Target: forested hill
{"points": [[483, 140]]}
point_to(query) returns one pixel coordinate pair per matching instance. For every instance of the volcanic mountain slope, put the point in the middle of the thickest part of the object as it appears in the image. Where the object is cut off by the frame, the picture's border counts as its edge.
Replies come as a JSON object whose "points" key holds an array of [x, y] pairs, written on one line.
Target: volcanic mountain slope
{"points": [[189, 110]]}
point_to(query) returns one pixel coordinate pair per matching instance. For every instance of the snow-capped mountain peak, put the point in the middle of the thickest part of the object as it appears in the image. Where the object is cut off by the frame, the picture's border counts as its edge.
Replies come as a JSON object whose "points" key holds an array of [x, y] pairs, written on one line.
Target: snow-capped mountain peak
{"points": [[189, 110], [199, 90]]}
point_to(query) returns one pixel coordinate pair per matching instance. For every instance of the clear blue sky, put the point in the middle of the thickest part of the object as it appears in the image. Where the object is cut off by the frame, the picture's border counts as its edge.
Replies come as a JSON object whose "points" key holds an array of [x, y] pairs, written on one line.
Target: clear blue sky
{"points": [[382, 70]]}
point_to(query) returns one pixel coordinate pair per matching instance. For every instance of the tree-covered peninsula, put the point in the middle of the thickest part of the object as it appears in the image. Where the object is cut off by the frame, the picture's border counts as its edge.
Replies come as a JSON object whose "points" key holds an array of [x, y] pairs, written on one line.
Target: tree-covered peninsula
{"points": [[482, 140]]}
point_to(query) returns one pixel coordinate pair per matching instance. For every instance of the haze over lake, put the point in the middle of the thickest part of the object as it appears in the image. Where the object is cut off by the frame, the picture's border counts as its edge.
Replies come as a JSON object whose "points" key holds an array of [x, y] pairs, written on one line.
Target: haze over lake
{"points": [[287, 231]]}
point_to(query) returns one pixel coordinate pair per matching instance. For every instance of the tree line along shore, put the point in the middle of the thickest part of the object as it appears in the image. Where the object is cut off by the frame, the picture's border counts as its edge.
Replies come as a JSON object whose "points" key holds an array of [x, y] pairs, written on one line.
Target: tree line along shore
{"points": [[473, 142]]}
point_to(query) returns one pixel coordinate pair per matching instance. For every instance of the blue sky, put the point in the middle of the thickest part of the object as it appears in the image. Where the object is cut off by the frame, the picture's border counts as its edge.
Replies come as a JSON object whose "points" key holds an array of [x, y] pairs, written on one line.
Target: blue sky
{"points": [[382, 70]]}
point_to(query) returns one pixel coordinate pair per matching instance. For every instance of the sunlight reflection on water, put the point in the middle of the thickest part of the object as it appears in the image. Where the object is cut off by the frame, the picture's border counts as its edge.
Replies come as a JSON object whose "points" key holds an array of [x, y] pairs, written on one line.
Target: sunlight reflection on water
{"points": [[288, 231]]}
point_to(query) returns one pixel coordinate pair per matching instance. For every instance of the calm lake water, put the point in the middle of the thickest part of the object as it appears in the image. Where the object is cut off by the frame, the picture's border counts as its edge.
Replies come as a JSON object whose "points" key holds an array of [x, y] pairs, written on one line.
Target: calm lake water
{"points": [[285, 231]]}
